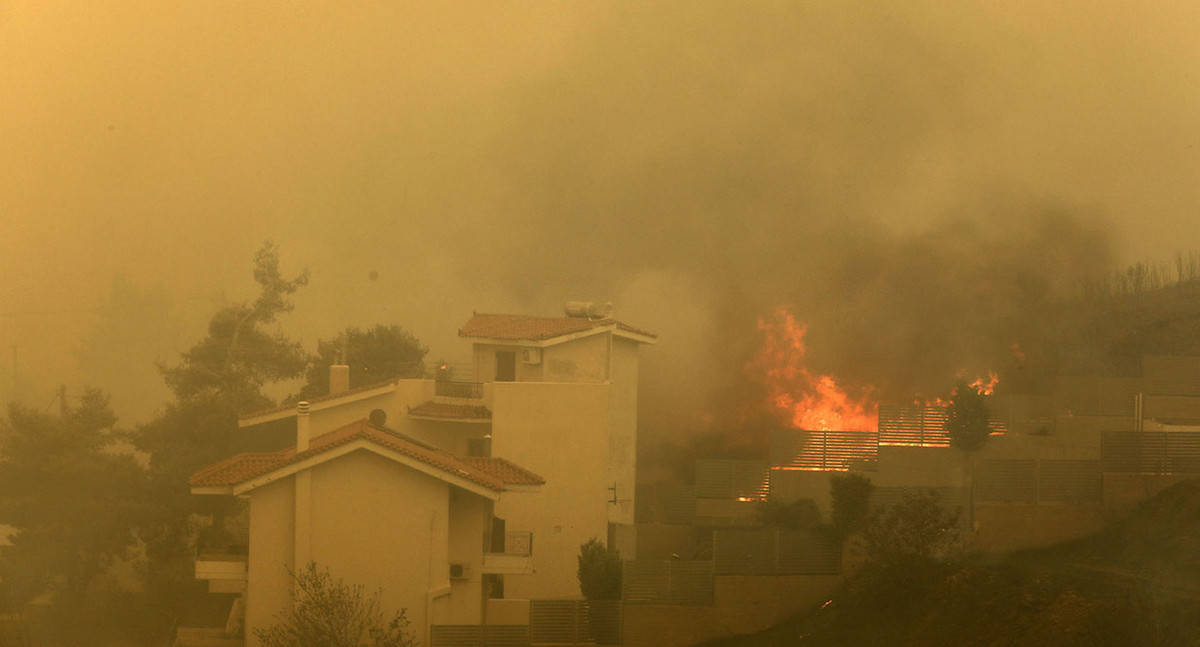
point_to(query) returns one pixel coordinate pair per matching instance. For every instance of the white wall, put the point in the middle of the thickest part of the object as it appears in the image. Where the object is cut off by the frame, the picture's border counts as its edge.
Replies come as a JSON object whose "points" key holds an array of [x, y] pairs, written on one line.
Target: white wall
{"points": [[376, 523], [558, 431]]}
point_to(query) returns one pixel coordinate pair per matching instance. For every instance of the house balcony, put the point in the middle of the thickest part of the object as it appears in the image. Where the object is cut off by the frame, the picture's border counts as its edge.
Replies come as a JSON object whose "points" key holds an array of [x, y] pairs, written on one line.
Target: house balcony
{"points": [[223, 564], [456, 402], [458, 390], [514, 557]]}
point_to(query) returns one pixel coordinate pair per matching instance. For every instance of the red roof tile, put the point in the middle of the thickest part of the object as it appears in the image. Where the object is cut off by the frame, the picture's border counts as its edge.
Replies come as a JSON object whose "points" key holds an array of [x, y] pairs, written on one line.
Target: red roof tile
{"points": [[246, 467], [506, 471], [529, 328], [433, 409]]}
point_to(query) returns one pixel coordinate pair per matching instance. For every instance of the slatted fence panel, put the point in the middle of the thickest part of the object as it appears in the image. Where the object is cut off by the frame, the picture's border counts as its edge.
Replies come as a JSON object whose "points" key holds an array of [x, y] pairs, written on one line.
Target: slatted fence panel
{"points": [[1006, 481], [774, 552], [806, 553], [665, 503], [731, 479], [1182, 452], [1069, 481], [604, 621], [691, 582], [1171, 375], [836, 451], [678, 582], [744, 552], [557, 621], [1150, 452], [455, 636], [645, 581]]}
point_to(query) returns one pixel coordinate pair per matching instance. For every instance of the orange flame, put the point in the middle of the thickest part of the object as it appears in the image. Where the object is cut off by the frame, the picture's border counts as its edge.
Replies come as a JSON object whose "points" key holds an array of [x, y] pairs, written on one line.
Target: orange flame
{"points": [[985, 388], [807, 401]]}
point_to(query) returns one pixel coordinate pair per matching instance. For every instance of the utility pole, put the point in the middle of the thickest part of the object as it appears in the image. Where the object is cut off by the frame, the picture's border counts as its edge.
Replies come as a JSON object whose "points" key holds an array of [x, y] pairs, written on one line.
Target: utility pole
{"points": [[62, 400]]}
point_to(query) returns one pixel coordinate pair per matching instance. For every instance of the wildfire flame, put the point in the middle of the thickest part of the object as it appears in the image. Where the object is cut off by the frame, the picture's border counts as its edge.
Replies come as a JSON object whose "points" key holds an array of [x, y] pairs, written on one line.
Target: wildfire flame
{"points": [[807, 401], [988, 387]]}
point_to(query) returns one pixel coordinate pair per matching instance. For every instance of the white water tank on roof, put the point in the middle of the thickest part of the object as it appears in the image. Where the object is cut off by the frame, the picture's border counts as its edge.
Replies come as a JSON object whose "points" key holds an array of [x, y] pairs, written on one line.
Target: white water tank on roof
{"points": [[580, 309]]}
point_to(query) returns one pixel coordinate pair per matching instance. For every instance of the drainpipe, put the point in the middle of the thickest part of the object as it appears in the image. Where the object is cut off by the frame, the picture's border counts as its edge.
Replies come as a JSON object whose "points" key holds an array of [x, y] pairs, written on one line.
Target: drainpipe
{"points": [[303, 500]]}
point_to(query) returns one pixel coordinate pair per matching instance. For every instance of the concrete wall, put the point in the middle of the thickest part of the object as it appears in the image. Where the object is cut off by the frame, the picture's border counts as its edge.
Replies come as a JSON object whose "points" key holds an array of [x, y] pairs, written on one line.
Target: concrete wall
{"points": [[1124, 492], [622, 428], [579, 360], [558, 431], [1003, 527], [742, 604], [919, 467]]}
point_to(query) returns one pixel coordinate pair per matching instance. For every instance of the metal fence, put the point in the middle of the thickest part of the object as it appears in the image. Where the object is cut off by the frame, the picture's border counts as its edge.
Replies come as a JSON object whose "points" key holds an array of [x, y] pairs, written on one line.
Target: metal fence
{"points": [[445, 388], [557, 622], [575, 622], [665, 503], [732, 479], [913, 426], [1039, 481], [667, 581], [1150, 452], [775, 552], [479, 636], [822, 451]]}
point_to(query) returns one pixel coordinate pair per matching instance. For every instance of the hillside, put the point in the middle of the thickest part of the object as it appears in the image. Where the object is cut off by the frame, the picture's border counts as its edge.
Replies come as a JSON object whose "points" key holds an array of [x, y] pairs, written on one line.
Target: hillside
{"points": [[1136, 583]]}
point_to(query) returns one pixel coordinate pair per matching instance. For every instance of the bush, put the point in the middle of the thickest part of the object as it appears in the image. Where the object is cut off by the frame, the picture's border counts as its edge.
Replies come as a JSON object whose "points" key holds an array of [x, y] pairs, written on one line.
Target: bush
{"points": [[599, 571], [915, 529], [851, 501], [330, 613]]}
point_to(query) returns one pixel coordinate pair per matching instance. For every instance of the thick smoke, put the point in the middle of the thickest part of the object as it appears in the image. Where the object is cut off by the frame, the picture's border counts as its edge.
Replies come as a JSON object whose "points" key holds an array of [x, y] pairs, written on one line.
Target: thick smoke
{"points": [[744, 158]]}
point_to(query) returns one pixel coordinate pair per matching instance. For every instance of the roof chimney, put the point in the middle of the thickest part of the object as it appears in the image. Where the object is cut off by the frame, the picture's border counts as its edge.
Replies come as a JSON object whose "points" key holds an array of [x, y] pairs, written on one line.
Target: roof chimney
{"points": [[339, 378], [302, 426]]}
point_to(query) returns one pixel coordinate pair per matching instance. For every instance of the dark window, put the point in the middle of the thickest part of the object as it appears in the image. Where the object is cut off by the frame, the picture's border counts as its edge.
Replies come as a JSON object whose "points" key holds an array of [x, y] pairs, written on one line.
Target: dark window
{"points": [[506, 366], [481, 447], [497, 535], [494, 585]]}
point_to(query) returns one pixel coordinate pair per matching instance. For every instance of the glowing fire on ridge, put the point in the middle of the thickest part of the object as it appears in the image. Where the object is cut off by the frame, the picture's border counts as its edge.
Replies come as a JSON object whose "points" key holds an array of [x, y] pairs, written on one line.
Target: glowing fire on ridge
{"points": [[810, 402]]}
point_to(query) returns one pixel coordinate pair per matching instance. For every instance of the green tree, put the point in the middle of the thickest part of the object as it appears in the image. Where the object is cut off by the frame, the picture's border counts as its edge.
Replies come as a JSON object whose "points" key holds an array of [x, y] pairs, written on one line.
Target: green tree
{"points": [[330, 613], [917, 529], [374, 355], [850, 497], [75, 503], [801, 514], [599, 571], [221, 376], [967, 418]]}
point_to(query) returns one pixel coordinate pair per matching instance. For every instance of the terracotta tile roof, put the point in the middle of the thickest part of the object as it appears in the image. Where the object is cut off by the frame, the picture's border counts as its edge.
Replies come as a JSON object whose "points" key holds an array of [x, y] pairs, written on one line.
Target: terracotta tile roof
{"points": [[433, 409], [291, 406], [506, 471], [230, 471], [246, 467], [529, 328]]}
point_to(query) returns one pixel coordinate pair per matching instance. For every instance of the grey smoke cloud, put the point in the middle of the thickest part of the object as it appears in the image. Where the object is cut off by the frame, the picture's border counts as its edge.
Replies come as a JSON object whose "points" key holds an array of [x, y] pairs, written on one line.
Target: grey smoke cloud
{"points": [[876, 167]]}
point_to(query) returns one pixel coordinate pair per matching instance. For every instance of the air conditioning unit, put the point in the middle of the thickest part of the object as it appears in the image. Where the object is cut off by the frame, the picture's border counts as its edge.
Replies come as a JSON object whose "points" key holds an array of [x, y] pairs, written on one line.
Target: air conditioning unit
{"points": [[531, 355], [460, 571]]}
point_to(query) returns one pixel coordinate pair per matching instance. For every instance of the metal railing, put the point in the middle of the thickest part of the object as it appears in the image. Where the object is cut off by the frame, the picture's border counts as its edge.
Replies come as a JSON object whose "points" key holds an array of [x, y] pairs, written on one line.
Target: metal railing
{"points": [[517, 543], [472, 390]]}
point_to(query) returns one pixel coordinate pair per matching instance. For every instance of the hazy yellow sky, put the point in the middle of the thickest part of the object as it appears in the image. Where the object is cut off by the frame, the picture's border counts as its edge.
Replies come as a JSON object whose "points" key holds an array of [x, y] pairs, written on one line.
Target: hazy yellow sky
{"points": [[512, 155]]}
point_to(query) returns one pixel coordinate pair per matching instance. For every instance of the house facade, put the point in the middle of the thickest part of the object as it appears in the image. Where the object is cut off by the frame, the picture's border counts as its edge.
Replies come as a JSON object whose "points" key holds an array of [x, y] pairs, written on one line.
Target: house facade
{"points": [[556, 396], [374, 507]]}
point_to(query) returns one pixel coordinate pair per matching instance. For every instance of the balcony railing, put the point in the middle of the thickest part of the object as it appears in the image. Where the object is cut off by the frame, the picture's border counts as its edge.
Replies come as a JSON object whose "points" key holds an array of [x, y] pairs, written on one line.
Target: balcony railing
{"points": [[447, 389], [518, 543], [514, 557]]}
